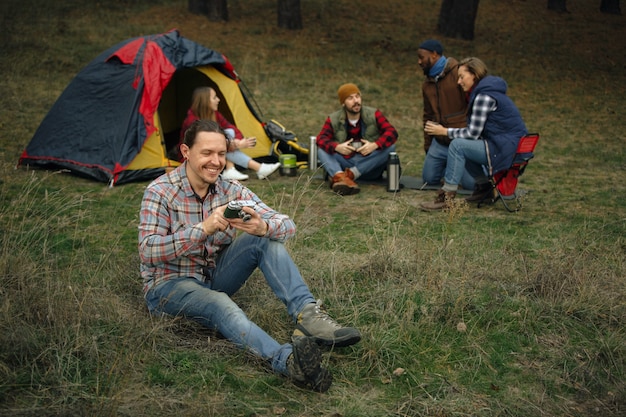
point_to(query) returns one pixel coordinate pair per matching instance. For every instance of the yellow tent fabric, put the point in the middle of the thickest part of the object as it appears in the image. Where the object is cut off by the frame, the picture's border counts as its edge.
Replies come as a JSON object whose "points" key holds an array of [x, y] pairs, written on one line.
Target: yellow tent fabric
{"points": [[243, 118], [153, 154]]}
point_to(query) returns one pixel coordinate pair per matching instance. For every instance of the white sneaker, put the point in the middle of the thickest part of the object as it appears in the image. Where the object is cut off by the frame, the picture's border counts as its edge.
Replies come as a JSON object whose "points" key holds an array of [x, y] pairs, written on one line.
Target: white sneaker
{"points": [[266, 170], [233, 174]]}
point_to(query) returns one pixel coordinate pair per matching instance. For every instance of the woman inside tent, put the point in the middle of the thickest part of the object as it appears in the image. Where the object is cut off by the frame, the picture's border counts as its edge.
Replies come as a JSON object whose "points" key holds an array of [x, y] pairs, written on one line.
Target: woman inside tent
{"points": [[204, 105]]}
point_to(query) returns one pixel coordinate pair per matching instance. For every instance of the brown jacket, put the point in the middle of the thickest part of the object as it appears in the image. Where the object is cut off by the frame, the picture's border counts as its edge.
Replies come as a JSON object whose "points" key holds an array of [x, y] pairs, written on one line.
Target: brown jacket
{"points": [[445, 102]]}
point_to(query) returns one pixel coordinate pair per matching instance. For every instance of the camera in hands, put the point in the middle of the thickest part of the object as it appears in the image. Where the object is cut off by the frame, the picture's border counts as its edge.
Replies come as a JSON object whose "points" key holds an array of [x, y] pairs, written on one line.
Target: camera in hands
{"points": [[234, 210]]}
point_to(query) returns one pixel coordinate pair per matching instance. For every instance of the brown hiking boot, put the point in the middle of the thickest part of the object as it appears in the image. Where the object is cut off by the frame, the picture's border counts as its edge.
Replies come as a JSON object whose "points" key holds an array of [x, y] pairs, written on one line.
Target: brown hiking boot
{"points": [[481, 192], [441, 202], [343, 183]]}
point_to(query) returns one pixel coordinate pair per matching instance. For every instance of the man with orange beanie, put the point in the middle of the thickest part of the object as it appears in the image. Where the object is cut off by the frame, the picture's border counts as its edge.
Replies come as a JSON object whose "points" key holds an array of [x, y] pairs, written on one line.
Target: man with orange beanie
{"points": [[354, 142]]}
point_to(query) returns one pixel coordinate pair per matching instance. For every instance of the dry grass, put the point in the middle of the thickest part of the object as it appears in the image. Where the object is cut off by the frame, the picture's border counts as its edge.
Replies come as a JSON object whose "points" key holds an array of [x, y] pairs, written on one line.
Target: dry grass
{"points": [[539, 294]]}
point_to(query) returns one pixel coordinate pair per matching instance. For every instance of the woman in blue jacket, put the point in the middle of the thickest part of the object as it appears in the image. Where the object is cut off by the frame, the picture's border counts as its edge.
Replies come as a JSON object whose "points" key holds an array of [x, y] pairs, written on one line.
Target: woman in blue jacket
{"points": [[494, 128]]}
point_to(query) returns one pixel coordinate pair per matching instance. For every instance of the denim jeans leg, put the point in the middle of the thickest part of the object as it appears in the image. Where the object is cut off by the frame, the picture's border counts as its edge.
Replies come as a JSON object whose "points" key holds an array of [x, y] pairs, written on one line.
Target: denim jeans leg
{"points": [[468, 181], [242, 257], [374, 164], [435, 163], [195, 300], [435, 167], [331, 163], [238, 158], [239, 260], [464, 154]]}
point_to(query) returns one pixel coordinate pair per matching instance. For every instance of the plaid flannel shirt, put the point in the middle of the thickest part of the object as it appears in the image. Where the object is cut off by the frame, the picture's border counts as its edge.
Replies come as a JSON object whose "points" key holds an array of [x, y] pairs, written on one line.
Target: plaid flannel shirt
{"points": [[388, 134], [172, 242], [483, 105]]}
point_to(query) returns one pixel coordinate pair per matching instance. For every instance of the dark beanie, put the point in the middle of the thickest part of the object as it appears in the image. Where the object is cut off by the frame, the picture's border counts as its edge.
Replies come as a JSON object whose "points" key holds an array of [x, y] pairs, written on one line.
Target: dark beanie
{"points": [[432, 45]]}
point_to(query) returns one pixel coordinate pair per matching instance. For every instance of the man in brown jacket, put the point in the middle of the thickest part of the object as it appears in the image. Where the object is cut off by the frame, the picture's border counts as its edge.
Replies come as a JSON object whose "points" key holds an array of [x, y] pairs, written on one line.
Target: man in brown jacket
{"points": [[444, 103]]}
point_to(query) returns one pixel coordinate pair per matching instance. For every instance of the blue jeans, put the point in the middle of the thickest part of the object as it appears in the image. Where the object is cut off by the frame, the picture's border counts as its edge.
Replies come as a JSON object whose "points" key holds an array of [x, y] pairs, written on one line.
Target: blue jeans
{"points": [[465, 154], [435, 166], [210, 304], [369, 167], [236, 157], [239, 158]]}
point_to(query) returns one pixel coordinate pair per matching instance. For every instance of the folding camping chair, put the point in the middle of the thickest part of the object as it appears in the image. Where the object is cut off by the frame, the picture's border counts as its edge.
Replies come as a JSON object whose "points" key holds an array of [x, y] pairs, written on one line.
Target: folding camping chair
{"points": [[504, 182]]}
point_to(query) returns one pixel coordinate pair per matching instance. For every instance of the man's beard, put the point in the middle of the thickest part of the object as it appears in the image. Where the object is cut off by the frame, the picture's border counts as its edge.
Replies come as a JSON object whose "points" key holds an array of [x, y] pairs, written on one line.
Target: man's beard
{"points": [[355, 113]]}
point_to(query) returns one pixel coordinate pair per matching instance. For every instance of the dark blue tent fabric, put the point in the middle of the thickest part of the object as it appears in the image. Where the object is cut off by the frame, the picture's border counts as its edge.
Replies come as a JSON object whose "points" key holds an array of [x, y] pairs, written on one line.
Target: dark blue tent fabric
{"points": [[96, 127]]}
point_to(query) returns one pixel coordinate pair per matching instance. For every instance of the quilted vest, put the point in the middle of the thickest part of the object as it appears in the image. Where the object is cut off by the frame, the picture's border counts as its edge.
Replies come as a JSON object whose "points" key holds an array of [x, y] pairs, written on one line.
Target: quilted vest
{"points": [[369, 129]]}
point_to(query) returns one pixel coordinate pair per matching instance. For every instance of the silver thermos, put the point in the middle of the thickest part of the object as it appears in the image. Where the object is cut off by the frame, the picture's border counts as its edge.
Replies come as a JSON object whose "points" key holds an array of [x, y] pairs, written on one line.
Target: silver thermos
{"points": [[393, 172], [312, 153]]}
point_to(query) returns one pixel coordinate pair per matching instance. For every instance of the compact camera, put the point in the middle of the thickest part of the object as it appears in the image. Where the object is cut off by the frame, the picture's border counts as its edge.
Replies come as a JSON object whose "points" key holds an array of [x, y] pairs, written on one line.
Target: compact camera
{"points": [[234, 209]]}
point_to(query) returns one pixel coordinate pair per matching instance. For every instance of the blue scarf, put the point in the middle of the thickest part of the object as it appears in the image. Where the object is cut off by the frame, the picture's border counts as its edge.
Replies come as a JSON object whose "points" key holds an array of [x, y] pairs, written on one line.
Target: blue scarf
{"points": [[438, 68]]}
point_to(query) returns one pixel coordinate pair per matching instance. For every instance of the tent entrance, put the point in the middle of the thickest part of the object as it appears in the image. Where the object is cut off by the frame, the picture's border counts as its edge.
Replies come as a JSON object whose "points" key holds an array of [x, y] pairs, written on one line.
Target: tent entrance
{"points": [[176, 99]]}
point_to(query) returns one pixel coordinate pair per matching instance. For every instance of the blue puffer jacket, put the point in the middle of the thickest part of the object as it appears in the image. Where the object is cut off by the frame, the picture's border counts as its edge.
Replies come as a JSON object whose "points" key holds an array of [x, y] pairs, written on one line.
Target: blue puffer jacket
{"points": [[504, 126]]}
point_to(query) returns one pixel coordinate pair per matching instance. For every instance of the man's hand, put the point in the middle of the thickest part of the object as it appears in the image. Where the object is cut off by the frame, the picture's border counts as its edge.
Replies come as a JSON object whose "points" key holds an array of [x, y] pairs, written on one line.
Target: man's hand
{"points": [[254, 226], [435, 129], [367, 147], [216, 222], [345, 148], [246, 143]]}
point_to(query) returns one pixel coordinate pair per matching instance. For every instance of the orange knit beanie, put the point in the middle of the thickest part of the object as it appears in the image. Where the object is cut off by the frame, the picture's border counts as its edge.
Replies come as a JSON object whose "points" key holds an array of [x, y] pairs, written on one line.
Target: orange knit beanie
{"points": [[346, 91]]}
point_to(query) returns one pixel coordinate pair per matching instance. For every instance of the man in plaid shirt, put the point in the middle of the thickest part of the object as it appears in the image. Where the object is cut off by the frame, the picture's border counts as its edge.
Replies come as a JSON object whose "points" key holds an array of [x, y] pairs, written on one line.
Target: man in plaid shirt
{"points": [[355, 142], [192, 262]]}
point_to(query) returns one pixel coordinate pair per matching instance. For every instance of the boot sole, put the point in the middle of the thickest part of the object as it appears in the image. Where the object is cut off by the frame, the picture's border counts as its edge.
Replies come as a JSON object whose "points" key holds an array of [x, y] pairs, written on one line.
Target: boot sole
{"points": [[344, 341], [308, 356], [345, 190]]}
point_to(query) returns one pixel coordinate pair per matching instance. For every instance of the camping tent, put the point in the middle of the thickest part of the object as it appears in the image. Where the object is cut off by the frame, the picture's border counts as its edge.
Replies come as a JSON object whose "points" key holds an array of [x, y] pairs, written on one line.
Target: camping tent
{"points": [[120, 116]]}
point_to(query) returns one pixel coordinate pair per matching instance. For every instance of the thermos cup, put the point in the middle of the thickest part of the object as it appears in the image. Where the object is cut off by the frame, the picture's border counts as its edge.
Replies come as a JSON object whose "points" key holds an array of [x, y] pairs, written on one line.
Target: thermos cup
{"points": [[393, 172]]}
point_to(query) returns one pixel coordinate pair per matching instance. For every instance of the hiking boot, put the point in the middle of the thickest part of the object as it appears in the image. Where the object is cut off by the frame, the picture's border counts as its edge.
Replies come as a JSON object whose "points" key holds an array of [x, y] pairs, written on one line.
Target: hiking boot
{"points": [[441, 202], [481, 192], [266, 170], [343, 183], [233, 174], [304, 365], [313, 321]]}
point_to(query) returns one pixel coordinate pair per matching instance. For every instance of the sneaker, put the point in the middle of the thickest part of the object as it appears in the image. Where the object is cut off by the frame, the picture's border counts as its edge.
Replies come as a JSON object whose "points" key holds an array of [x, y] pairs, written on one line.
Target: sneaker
{"points": [[233, 174], [313, 321], [304, 365], [266, 170]]}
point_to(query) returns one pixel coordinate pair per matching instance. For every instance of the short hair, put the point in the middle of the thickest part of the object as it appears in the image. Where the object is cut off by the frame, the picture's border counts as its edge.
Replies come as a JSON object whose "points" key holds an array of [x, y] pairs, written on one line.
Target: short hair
{"points": [[475, 66], [203, 125]]}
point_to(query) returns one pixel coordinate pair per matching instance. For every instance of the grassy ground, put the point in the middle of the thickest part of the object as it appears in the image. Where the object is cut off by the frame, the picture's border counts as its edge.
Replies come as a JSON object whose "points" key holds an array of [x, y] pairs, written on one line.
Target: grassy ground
{"points": [[473, 312]]}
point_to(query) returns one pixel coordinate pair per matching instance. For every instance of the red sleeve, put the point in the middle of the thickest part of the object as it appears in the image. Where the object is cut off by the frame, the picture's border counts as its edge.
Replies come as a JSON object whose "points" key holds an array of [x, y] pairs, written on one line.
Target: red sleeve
{"points": [[388, 133], [326, 138], [186, 123], [225, 124]]}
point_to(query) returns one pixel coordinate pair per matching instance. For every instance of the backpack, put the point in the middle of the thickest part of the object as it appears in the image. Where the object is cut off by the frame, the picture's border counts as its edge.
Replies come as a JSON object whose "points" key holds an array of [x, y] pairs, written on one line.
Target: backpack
{"points": [[284, 141]]}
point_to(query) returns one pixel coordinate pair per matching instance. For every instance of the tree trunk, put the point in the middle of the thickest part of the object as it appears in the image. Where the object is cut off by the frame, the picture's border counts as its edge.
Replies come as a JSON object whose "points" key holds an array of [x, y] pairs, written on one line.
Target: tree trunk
{"points": [[217, 10], [457, 18], [558, 6], [197, 7], [610, 7], [289, 15]]}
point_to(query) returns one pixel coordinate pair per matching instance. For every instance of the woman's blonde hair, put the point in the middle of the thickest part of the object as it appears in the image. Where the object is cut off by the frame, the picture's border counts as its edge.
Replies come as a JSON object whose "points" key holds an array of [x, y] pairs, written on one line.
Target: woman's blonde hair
{"points": [[475, 67], [201, 103]]}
